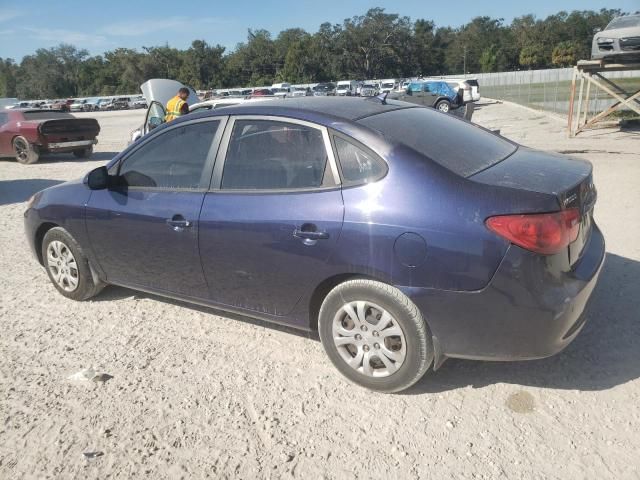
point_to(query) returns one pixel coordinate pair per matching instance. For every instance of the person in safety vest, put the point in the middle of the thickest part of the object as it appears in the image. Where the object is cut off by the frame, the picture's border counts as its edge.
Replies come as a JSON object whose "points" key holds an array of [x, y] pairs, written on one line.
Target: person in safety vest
{"points": [[177, 106]]}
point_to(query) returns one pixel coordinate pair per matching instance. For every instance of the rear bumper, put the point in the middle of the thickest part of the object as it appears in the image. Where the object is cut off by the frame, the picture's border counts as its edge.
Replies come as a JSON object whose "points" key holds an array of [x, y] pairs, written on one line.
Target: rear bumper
{"points": [[69, 146], [529, 310]]}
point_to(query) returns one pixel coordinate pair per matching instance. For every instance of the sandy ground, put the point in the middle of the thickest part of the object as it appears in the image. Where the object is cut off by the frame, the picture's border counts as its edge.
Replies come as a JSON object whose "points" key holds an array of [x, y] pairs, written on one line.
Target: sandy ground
{"points": [[197, 393]]}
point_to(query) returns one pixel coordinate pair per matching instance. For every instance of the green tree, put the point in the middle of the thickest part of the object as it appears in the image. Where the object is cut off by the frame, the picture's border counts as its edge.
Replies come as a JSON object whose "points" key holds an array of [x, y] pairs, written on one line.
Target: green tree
{"points": [[8, 70], [532, 56], [566, 54]]}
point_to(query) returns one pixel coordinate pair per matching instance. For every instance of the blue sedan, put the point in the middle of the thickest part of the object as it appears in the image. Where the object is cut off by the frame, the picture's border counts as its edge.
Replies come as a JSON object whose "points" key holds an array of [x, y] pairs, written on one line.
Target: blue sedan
{"points": [[403, 235]]}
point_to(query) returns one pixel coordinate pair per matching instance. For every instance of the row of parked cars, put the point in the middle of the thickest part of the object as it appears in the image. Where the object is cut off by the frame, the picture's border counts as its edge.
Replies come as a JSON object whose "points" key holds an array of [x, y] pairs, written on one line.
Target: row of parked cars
{"points": [[91, 104], [469, 88]]}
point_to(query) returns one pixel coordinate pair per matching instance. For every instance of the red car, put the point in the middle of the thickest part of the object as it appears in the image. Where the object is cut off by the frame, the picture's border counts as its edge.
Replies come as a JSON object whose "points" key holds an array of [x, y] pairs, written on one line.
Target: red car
{"points": [[26, 134]]}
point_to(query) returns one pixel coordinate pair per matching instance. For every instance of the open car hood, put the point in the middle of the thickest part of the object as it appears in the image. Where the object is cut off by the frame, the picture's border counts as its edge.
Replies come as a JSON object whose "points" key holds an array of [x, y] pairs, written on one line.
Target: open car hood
{"points": [[162, 90]]}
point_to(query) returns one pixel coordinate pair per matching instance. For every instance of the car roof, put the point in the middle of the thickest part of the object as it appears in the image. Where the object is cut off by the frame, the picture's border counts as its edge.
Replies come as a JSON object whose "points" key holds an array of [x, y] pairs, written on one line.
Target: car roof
{"points": [[331, 108]]}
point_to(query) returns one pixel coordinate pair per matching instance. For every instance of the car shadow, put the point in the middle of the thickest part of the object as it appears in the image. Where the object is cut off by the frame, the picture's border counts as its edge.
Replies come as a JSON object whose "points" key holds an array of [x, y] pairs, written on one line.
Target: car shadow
{"points": [[114, 293], [605, 354], [18, 191]]}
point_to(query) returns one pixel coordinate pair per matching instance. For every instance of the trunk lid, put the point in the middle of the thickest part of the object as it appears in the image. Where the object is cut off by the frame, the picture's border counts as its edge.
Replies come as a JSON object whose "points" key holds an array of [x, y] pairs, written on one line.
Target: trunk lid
{"points": [[570, 180], [71, 128]]}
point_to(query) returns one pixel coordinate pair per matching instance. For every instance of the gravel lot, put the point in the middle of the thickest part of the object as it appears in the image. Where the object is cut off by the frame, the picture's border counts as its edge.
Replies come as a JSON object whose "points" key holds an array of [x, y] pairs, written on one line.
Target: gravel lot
{"points": [[197, 393]]}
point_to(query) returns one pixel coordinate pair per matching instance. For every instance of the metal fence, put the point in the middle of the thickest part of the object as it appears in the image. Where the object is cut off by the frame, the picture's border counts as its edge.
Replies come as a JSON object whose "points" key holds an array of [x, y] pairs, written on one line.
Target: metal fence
{"points": [[547, 89]]}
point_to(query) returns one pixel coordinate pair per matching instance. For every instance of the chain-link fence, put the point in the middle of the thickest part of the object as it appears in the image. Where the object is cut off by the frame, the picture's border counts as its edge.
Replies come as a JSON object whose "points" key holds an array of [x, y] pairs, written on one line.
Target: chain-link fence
{"points": [[548, 89]]}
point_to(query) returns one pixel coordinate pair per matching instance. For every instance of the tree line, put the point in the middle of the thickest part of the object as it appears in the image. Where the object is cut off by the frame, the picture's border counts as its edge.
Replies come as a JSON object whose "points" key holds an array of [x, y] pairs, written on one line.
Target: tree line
{"points": [[374, 45]]}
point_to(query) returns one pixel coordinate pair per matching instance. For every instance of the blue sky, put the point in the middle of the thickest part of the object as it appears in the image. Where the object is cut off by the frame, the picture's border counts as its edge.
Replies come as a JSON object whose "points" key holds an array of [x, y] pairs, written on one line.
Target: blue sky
{"points": [[100, 25]]}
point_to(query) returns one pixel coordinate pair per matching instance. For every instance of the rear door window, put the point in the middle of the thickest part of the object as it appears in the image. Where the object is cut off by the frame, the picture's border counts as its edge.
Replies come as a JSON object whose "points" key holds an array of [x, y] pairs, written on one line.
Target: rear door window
{"points": [[461, 147], [274, 155]]}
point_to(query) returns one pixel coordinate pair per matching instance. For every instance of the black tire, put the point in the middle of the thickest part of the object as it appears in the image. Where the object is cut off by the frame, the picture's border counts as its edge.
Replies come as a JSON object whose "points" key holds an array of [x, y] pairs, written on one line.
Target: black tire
{"points": [[25, 153], [86, 287], [443, 106], [417, 336], [84, 152]]}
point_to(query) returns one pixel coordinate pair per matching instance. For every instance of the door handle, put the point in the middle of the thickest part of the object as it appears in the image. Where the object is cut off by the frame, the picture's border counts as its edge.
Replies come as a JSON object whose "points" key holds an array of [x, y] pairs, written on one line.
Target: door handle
{"points": [[178, 223], [309, 231], [310, 235]]}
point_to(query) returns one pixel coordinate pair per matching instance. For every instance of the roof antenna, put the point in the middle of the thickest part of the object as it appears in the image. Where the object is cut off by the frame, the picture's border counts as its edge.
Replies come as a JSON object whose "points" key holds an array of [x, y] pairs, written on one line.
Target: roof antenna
{"points": [[382, 98]]}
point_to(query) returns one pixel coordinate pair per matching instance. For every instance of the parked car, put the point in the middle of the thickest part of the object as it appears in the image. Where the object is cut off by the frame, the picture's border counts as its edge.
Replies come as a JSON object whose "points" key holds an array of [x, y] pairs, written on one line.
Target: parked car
{"points": [[620, 40], [92, 104], [105, 104], [439, 95], [62, 105], [18, 105], [239, 92], [369, 90], [281, 91], [364, 218], [78, 105], [324, 90], [475, 88], [120, 103], [262, 92], [139, 102], [300, 92], [27, 134], [388, 85], [460, 84], [346, 88]]}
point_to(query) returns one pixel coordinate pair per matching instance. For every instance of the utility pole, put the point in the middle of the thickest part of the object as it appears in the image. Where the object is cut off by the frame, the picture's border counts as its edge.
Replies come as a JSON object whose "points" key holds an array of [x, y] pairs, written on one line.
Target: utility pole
{"points": [[464, 61]]}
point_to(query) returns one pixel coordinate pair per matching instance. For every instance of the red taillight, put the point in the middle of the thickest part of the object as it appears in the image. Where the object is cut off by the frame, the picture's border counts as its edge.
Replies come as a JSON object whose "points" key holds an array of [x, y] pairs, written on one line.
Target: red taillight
{"points": [[545, 233]]}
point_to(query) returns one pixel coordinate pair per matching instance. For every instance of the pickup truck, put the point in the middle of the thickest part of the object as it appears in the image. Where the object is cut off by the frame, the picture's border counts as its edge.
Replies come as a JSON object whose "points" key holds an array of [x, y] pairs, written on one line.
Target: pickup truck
{"points": [[27, 134]]}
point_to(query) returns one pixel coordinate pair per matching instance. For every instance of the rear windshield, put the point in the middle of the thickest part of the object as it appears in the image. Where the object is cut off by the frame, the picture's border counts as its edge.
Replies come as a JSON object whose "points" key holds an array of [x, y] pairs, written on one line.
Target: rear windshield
{"points": [[461, 147], [46, 115], [473, 83]]}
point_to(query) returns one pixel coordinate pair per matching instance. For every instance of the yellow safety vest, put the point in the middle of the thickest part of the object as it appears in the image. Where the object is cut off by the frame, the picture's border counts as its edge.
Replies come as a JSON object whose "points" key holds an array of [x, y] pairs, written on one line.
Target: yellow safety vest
{"points": [[174, 107]]}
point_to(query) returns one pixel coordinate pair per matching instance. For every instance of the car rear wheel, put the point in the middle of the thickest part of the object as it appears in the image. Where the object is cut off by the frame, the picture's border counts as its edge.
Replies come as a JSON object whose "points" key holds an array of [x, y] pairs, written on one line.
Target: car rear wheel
{"points": [[67, 266], [83, 152], [375, 335], [443, 106], [25, 152]]}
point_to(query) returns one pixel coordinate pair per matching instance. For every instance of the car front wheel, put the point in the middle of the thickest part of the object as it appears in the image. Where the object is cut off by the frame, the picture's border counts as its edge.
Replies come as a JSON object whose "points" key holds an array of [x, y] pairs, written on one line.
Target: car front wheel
{"points": [[67, 266], [375, 335]]}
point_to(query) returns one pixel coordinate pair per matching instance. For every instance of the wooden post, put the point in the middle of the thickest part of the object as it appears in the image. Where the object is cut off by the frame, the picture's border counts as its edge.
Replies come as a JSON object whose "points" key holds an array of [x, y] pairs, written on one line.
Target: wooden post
{"points": [[571, 101], [577, 129], [586, 99]]}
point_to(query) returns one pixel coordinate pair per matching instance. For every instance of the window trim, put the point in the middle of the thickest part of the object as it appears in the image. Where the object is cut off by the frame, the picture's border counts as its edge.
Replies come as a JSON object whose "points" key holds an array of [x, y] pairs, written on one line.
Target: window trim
{"points": [[205, 178], [216, 181], [361, 146]]}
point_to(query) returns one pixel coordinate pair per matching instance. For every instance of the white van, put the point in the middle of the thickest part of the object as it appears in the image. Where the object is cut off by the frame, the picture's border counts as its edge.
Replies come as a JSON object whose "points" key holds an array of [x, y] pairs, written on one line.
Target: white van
{"points": [[388, 85], [346, 87], [281, 89]]}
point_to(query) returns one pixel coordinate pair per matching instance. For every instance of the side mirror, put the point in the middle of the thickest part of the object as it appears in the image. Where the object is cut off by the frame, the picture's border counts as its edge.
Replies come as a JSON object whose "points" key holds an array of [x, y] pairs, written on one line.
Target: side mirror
{"points": [[98, 179], [596, 30]]}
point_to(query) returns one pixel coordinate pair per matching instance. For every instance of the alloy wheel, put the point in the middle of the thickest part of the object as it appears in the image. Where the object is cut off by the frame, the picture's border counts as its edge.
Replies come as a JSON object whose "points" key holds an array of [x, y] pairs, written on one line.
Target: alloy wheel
{"points": [[62, 265], [22, 150], [369, 339], [443, 107]]}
